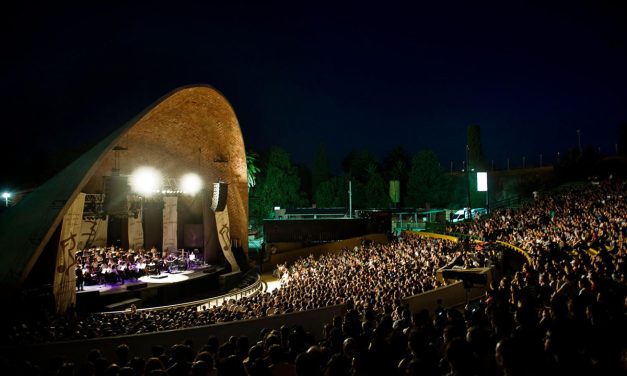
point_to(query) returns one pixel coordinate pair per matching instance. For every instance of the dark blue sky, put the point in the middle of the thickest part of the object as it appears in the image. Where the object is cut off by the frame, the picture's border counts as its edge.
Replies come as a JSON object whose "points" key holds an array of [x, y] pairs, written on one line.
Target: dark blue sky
{"points": [[352, 75]]}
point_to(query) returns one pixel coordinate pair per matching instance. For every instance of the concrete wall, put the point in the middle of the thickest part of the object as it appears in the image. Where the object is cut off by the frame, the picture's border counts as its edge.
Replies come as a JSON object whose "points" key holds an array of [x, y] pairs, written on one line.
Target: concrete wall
{"points": [[452, 295], [140, 345]]}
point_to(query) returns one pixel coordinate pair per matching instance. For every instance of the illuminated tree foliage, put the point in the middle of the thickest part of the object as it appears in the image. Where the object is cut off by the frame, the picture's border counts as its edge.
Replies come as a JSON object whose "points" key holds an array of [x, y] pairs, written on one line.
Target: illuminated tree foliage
{"points": [[253, 170], [426, 183], [376, 193], [333, 193], [396, 167], [278, 186]]}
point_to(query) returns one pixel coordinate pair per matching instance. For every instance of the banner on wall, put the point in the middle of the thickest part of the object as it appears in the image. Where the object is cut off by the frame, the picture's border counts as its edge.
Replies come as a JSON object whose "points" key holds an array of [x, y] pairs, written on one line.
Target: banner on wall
{"points": [[169, 224], [224, 235], [93, 233], [64, 285]]}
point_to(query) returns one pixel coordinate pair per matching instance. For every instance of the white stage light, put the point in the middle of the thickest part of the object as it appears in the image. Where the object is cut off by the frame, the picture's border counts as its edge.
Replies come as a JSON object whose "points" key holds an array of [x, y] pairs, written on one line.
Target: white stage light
{"points": [[191, 184], [146, 181]]}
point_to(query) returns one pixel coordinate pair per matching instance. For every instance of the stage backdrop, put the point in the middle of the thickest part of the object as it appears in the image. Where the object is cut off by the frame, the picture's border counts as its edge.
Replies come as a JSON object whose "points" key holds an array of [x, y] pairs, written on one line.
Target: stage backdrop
{"points": [[93, 233], [169, 224], [193, 236], [135, 229], [64, 287]]}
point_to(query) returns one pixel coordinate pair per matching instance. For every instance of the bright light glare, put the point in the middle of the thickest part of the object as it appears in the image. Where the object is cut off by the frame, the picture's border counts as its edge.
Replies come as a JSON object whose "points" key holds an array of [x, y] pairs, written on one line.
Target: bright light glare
{"points": [[191, 184], [146, 181], [482, 181], [6, 195]]}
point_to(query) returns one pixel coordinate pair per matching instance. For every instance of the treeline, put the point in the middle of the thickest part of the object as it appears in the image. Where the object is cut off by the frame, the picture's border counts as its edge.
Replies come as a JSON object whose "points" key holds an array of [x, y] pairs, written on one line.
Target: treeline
{"points": [[421, 180], [274, 180]]}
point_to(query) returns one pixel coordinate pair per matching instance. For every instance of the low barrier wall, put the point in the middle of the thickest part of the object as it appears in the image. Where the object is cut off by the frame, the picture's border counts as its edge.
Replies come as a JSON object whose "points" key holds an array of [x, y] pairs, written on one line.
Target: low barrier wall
{"points": [[435, 235], [326, 248], [519, 250], [452, 295], [141, 344]]}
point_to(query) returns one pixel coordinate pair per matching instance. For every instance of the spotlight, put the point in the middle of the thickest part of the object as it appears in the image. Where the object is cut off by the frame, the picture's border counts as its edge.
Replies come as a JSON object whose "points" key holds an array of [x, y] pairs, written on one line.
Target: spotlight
{"points": [[146, 181], [6, 196], [191, 184]]}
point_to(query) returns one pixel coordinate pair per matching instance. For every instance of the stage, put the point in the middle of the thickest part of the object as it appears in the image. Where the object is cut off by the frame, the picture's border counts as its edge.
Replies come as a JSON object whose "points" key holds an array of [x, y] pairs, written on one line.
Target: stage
{"points": [[152, 290]]}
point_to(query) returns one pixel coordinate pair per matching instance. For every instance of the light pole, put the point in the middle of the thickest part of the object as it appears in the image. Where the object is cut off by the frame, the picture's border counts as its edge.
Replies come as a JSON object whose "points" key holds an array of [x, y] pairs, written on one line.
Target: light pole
{"points": [[6, 196], [350, 199], [468, 175]]}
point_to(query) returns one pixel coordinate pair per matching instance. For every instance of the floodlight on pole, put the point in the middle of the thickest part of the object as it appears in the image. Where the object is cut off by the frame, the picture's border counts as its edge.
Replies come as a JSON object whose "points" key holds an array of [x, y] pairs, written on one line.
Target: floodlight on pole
{"points": [[6, 196]]}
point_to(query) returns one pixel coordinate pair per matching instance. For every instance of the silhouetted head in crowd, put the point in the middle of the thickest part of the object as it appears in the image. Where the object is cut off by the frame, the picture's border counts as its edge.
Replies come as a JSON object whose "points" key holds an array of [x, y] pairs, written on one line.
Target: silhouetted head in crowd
{"points": [[199, 368], [153, 363], [307, 364], [232, 366], [121, 355], [459, 356]]}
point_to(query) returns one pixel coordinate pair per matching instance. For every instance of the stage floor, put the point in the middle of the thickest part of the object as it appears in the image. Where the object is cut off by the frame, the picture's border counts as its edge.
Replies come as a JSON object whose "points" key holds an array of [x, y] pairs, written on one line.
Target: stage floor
{"points": [[151, 281]]}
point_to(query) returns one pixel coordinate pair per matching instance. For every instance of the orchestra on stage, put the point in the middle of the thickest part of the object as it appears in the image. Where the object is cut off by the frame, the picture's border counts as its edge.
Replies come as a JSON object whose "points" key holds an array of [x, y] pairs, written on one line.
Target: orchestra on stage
{"points": [[112, 265]]}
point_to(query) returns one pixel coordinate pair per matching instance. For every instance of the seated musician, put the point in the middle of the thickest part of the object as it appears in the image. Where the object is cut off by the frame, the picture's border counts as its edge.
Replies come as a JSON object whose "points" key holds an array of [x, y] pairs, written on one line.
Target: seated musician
{"points": [[87, 275], [131, 272], [140, 267], [121, 268], [111, 273]]}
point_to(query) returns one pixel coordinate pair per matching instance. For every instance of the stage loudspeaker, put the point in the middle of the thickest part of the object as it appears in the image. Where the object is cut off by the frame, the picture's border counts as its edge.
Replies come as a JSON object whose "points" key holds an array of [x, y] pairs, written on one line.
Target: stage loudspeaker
{"points": [[218, 197], [116, 189]]}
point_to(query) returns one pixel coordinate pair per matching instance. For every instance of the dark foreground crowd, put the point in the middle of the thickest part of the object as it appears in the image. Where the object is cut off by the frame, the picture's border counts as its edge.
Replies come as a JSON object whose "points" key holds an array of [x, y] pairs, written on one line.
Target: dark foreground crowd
{"points": [[562, 314]]}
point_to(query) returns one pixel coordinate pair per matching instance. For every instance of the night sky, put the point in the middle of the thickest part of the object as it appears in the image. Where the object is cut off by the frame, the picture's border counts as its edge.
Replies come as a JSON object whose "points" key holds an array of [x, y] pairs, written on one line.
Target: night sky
{"points": [[353, 75]]}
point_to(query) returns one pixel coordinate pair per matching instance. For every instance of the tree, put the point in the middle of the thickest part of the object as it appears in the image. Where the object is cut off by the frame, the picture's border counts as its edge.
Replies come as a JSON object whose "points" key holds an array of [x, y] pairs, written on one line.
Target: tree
{"points": [[333, 192], [476, 160], [395, 165], [304, 174], [356, 165], [321, 171], [280, 185], [253, 170], [376, 195], [426, 181]]}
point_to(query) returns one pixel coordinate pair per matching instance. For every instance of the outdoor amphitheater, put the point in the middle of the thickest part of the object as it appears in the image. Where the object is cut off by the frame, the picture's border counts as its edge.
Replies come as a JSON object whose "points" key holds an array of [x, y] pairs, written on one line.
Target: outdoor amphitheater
{"points": [[535, 290]]}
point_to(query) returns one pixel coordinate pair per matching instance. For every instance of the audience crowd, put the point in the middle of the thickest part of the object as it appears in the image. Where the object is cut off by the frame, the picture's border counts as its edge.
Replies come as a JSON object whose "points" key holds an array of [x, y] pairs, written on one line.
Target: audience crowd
{"points": [[374, 275], [561, 314]]}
